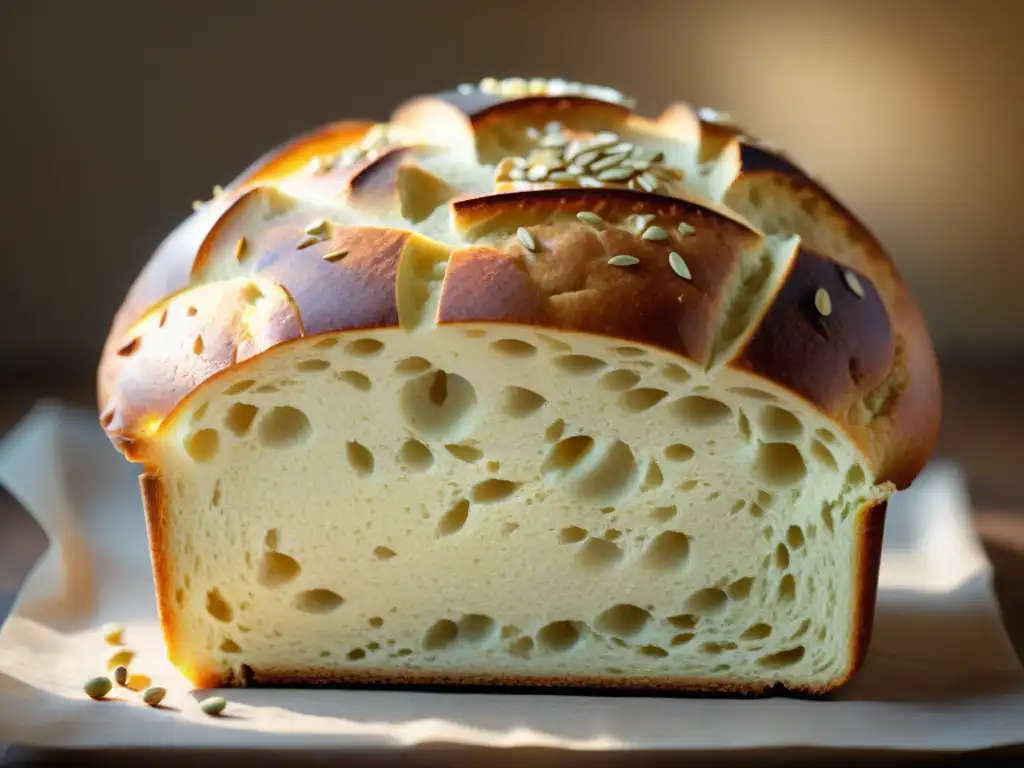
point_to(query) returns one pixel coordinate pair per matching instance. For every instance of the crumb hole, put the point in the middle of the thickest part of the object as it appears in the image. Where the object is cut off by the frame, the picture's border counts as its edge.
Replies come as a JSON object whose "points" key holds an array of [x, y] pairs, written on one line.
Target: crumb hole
{"points": [[202, 446], [855, 475], [412, 365], [355, 379], [778, 424], [356, 654], [476, 628], [558, 636], [740, 589], [312, 366], [795, 536], [554, 431], [359, 458], [683, 621], [683, 638], [783, 658], [277, 569], [707, 601], [700, 411], [521, 648], [284, 427], [230, 646], [756, 632], [376, 622], [675, 373], [598, 554], [654, 651], [787, 588], [383, 553], [466, 453], [579, 365], [513, 348], [663, 514], [519, 403], [567, 454], [198, 346], [317, 601], [453, 520], [439, 405], [414, 456], [493, 490], [239, 418], [668, 550], [679, 452], [442, 634], [781, 557], [639, 400], [364, 347], [217, 606], [571, 535], [619, 380], [753, 394], [327, 343], [779, 464], [622, 620], [744, 427], [653, 477]]}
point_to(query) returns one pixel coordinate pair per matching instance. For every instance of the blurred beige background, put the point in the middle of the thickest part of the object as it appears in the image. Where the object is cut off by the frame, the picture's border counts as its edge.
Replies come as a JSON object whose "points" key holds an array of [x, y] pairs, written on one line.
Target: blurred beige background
{"points": [[118, 114]]}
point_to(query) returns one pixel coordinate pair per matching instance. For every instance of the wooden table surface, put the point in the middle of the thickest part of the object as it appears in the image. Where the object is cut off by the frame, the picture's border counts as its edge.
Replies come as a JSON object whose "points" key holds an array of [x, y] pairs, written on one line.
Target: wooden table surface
{"points": [[983, 430]]}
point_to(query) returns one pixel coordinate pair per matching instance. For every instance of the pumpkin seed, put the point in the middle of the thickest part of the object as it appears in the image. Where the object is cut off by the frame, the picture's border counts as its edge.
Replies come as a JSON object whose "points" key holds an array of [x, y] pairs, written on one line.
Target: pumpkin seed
{"points": [[214, 705], [623, 260], [335, 255], [240, 248], [316, 227], [537, 172], [120, 659], [685, 229], [97, 687], [647, 182], [678, 265], [121, 675], [153, 696], [608, 161], [615, 174], [562, 177], [583, 159], [853, 283], [823, 302], [526, 239], [654, 233], [307, 241], [587, 217]]}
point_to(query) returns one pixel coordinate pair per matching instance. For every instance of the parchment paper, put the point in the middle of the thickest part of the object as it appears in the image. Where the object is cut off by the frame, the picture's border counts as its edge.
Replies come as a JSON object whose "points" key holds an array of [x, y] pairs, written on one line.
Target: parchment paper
{"points": [[941, 674]]}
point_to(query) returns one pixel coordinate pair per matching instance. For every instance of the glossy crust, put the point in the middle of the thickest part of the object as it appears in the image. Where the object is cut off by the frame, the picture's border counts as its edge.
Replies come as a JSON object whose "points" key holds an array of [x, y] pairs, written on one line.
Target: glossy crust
{"points": [[868, 363]]}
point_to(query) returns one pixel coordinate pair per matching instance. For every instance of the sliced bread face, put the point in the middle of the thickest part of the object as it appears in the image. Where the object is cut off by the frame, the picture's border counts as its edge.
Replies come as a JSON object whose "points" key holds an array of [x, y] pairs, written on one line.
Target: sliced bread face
{"points": [[520, 389], [493, 504]]}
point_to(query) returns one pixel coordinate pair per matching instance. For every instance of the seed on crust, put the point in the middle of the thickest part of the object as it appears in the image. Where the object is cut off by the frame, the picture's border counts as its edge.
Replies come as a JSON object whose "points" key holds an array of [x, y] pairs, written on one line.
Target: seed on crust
{"points": [[679, 266], [823, 302], [623, 260], [526, 239], [853, 283]]}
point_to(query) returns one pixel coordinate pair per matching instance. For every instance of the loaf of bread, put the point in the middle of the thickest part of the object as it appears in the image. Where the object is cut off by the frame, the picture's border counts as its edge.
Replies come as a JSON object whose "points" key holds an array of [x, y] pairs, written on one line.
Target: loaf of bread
{"points": [[520, 388]]}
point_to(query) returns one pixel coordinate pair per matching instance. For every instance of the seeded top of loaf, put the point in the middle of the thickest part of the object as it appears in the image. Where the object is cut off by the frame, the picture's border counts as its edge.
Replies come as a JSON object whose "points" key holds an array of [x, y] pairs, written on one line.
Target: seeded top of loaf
{"points": [[545, 203]]}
